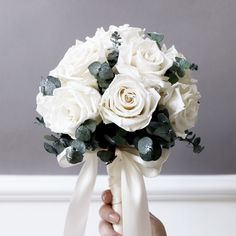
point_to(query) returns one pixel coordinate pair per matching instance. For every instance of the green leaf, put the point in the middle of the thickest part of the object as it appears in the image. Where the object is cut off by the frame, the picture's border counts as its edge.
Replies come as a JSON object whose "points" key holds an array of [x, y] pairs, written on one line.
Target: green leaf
{"points": [[180, 72], [163, 132], [48, 85], [156, 37], [58, 146], [40, 121], [193, 67], [78, 145], [148, 149], [198, 149], [54, 81], [92, 144], [94, 68], [163, 118], [121, 132], [109, 140], [197, 141], [91, 125], [50, 138], [74, 156], [49, 148], [157, 151], [112, 57], [104, 84], [106, 156], [119, 140], [145, 145], [105, 72], [83, 133], [183, 63], [173, 78]]}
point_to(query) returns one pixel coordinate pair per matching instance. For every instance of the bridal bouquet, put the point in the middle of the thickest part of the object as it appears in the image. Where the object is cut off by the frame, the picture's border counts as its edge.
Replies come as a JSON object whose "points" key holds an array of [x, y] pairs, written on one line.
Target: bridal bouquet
{"points": [[126, 98]]}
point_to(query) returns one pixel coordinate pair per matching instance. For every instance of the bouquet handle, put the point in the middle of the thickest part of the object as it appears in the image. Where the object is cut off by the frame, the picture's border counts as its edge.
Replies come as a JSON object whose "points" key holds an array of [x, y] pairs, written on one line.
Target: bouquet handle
{"points": [[114, 179]]}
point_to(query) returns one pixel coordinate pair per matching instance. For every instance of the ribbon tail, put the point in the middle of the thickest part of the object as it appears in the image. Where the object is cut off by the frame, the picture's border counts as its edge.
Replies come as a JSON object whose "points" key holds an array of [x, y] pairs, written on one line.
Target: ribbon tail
{"points": [[78, 210], [136, 218]]}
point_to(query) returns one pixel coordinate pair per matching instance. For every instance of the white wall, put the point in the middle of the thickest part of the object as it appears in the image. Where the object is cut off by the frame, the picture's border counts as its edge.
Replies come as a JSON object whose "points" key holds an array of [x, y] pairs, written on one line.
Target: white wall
{"points": [[188, 205]]}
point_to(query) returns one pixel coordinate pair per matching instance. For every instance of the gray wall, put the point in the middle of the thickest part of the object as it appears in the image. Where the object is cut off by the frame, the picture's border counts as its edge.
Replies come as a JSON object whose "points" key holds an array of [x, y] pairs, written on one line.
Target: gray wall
{"points": [[34, 35]]}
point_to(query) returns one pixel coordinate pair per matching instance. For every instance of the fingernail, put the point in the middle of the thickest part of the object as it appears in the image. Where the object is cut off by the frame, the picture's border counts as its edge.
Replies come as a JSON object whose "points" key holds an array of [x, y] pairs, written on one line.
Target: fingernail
{"points": [[104, 197], [114, 218]]}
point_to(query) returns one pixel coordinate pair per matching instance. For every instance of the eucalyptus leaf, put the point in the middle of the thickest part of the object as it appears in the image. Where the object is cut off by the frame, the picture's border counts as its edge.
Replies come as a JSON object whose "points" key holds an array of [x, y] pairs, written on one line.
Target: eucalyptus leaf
{"points": [[49, 84], [40, 121], [105, 72], [183, 63], [145, 145], [50, 138], [94, 68], [74, 156], [119, 140], [193, 67], [121, 132], [58, 146], [103, 83], [83, 133], [109, 140], [163, 118], [106, 156], [157, 37], [163, 132], [49, 148], [112, 57], [54, 81], [78, 145], [91, 125], [198, 149], [173, 78], [180, 72], [197, 141]]}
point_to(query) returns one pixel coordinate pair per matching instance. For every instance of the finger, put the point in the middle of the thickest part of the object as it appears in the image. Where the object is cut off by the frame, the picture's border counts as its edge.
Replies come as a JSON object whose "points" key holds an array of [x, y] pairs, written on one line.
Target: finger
{"points": [[157, 226], [108, 214], [107, 197], [106, 229]]}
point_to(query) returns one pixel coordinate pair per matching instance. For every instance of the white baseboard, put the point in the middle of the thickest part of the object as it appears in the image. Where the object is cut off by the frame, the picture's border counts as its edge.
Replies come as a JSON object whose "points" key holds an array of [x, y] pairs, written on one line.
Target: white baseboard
{"points": [[188, 205]]}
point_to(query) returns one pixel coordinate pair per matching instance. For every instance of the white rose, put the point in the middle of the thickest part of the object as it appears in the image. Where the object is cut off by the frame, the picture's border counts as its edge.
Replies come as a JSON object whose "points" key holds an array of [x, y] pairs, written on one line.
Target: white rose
{"points": [[128, 104], [69, 107], [74, 65], [182, 102], [146, 59], [171, 52]]}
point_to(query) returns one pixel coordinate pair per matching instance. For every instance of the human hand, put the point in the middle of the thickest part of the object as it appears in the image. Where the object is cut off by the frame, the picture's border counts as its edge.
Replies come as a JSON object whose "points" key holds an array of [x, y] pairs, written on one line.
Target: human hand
{"points": [[110, 217]]}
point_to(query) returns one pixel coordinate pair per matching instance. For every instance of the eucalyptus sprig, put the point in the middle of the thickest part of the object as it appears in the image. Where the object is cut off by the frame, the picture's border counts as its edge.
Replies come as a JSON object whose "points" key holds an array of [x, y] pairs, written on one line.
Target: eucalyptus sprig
{"points": [[116, 39], [103, 73], [192, 139], [178, 69]]}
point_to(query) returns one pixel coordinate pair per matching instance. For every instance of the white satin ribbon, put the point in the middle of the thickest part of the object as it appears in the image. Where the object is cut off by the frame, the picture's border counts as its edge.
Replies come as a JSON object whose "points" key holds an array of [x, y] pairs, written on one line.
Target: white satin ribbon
{"points": [[79, 207], [126, 179]]}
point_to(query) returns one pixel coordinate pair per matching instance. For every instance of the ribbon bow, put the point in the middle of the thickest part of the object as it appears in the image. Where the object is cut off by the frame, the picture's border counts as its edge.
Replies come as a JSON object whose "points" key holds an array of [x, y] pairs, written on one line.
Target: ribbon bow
{"points": [[127, 185]]}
